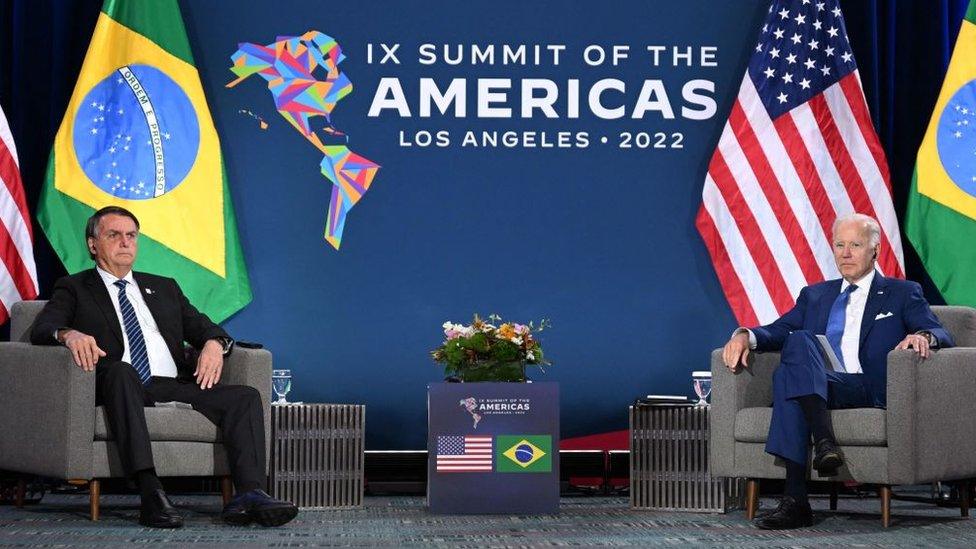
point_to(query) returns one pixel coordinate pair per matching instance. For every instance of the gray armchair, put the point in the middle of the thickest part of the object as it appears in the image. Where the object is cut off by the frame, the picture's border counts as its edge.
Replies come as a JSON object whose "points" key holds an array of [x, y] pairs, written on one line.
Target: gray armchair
{"points": [[50, 426], [927, 433]]}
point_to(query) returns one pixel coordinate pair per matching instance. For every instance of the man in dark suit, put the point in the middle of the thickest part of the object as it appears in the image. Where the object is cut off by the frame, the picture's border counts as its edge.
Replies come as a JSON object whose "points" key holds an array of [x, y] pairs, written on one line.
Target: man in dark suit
{"points": [[129, 329], [863, 315]]}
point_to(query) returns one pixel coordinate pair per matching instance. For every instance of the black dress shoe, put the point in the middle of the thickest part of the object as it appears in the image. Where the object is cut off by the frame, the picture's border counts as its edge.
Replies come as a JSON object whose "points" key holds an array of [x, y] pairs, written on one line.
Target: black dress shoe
{"points": [[827, 457], [258, 506], [158, 512], [789, 514]]}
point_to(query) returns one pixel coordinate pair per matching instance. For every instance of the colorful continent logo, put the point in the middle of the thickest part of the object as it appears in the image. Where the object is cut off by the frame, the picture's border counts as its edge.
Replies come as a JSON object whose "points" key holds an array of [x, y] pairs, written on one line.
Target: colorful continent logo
{"points": [[290, 65], [470, 405], [956, 138], [136, 134]]}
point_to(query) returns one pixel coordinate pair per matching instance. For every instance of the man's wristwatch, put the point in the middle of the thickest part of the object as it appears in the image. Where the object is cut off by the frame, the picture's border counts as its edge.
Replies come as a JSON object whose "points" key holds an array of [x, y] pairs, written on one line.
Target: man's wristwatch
{"points": [[933, 341], [225, 342]]}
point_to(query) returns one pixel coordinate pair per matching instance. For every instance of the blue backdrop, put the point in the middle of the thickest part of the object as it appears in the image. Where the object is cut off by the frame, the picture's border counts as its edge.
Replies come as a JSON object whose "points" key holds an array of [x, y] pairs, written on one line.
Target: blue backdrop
{"points": [[600, 239]]}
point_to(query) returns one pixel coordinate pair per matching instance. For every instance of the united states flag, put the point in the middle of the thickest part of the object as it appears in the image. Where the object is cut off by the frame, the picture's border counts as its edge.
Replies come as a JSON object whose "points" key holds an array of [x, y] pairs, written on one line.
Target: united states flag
{"points": [[464, 454], [798, 150], [18, 275]]}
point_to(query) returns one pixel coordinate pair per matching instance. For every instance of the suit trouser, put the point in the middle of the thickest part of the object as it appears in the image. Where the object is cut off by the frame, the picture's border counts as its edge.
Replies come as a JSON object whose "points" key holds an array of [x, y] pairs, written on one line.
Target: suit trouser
{"points": [[803, 371], [235, 409]]}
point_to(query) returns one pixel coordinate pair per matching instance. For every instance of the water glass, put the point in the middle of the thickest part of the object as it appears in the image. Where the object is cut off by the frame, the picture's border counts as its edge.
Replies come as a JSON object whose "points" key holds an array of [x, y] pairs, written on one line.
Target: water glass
{"points": [[281, 384], [703, 386]]}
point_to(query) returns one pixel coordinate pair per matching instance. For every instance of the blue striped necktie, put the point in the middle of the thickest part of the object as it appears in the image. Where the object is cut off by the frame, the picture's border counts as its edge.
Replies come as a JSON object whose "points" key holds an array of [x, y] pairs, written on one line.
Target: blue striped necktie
{"points": [[137, 344], [837, 320]]}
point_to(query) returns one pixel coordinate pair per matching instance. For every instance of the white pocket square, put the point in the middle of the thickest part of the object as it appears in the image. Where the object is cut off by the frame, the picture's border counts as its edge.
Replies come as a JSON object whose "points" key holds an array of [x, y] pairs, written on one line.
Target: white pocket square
{"points": [[883, 315]]}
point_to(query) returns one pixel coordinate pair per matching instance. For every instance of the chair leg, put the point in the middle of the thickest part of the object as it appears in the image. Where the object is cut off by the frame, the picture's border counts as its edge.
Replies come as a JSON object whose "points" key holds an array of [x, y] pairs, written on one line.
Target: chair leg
{"points": [[226, 489], [94, 491], [964, 494], [834, 487], [885, 492], [752, 498], [21, 490]]}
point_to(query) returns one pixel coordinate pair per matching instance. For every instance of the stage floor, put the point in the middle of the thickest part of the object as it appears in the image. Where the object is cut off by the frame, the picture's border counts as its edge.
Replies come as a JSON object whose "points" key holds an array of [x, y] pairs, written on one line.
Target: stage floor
{"points": [[60, 520]]}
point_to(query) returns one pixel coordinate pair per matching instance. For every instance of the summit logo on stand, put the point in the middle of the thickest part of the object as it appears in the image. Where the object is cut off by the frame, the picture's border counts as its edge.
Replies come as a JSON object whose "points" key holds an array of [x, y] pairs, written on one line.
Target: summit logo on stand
{"points": [[478, 409]]}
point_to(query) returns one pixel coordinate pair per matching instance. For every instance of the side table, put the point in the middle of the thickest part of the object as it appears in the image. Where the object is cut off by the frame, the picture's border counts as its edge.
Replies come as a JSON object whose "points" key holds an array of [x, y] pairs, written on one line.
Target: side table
{"points": [[317, 454], [669, 462]]}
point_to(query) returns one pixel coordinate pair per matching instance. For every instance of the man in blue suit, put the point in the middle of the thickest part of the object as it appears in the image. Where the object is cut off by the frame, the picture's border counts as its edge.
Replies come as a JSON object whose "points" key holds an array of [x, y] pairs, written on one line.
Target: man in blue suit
{"points": [[863, 315]]}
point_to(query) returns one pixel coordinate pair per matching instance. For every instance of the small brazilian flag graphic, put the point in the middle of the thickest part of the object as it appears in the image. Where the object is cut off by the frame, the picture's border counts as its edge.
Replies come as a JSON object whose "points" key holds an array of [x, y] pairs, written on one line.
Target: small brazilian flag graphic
{"points": [[523, 453]]}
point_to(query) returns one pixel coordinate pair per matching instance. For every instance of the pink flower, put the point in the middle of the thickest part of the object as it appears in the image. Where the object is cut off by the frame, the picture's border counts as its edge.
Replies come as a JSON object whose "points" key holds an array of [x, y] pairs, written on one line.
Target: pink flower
{"points": [[521, 329], [451, 330]]}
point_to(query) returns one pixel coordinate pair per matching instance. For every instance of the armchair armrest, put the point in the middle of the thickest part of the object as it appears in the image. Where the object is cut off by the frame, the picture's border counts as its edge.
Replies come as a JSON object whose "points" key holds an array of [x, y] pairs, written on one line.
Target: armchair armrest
{"points": [[252, 367], [750, 388], [47, 412], [932, 415]]}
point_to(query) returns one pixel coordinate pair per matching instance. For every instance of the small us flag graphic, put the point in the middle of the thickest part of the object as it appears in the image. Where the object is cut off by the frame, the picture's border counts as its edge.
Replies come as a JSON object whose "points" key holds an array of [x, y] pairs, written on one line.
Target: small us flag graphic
{"points": [[464, 454]]}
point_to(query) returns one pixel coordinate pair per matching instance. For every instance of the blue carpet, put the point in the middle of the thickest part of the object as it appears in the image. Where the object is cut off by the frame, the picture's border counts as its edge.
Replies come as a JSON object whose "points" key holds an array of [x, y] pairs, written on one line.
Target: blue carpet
{"points": [[61, 521]]}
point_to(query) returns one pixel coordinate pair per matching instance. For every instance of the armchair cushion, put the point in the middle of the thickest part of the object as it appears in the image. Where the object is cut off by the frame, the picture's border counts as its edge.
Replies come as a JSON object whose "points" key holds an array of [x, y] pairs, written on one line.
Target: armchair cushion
{"points": [[166, 424], [852, 427]]}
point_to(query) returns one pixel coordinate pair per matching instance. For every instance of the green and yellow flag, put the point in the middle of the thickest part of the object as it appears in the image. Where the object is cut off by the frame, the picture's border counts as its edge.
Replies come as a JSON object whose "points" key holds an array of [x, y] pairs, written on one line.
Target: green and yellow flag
{"points": [[138, 134], [523, 453], [941, 216]]}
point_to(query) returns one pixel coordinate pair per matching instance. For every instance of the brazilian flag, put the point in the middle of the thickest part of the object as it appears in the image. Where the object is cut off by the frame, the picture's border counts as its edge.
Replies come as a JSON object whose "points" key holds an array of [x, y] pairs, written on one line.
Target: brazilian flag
{"points": [[523, 453], [940, 219], [138, 134]]}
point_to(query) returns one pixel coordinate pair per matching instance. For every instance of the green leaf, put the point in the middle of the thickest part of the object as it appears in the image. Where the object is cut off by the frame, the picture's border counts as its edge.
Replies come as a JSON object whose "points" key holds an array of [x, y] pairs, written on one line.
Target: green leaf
{"points": [[505, 351], [453, 353], [477, 343]]}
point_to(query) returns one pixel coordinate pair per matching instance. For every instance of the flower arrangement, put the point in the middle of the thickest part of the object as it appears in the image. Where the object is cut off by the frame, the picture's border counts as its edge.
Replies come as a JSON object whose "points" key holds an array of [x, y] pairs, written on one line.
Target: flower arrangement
{"points": [[490, 350]]}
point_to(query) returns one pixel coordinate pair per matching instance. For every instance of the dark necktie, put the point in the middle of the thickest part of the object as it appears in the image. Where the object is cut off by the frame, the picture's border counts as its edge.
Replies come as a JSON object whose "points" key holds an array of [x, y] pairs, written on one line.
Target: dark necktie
{"points": [[837, 319], [137, 344]]}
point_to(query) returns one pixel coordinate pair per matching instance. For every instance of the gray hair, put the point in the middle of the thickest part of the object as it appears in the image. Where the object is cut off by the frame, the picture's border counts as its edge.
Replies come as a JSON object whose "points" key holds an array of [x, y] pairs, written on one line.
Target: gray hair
{"points": [[868, 224]]}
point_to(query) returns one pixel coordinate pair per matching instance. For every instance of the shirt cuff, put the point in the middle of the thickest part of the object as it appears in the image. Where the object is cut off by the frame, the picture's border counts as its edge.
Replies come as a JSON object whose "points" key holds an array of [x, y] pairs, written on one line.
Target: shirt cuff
{"points": [[752, 336]]}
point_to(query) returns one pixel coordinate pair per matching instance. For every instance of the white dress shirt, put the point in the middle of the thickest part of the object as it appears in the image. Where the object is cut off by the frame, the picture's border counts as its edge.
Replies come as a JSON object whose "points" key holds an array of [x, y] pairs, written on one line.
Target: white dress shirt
{"points": [[161, 362], [850, 342]]}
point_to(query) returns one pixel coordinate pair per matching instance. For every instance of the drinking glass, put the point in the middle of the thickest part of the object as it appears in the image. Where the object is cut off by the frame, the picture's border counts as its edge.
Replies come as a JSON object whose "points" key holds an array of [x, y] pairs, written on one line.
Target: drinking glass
{"points": [[281, 384], [703, 386]]}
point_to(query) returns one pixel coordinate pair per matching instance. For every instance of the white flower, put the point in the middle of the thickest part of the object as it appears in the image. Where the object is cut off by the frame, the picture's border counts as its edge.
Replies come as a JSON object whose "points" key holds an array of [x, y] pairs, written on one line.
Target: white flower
{"points": [[517, 340], [529, 356], [466, 331], [447, 325]]}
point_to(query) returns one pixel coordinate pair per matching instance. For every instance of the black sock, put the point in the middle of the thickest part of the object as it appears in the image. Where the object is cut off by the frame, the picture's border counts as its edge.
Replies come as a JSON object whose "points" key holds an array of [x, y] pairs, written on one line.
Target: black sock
{"points": [[796, 481], [817, 416], [148, 482]]}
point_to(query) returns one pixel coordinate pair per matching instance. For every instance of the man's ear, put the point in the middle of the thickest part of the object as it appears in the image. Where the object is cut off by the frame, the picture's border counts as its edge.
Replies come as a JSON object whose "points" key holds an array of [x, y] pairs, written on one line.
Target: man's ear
{"points": [[91, 245]]}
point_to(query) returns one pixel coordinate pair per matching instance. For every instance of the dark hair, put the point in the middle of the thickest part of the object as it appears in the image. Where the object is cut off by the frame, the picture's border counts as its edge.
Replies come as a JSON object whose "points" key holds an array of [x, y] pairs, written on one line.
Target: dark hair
{"points": [[97, 216]]}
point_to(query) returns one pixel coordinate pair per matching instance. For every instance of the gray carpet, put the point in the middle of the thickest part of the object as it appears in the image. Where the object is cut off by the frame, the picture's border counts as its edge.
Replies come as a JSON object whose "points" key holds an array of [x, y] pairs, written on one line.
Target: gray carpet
{"points": [[60, 521]]}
